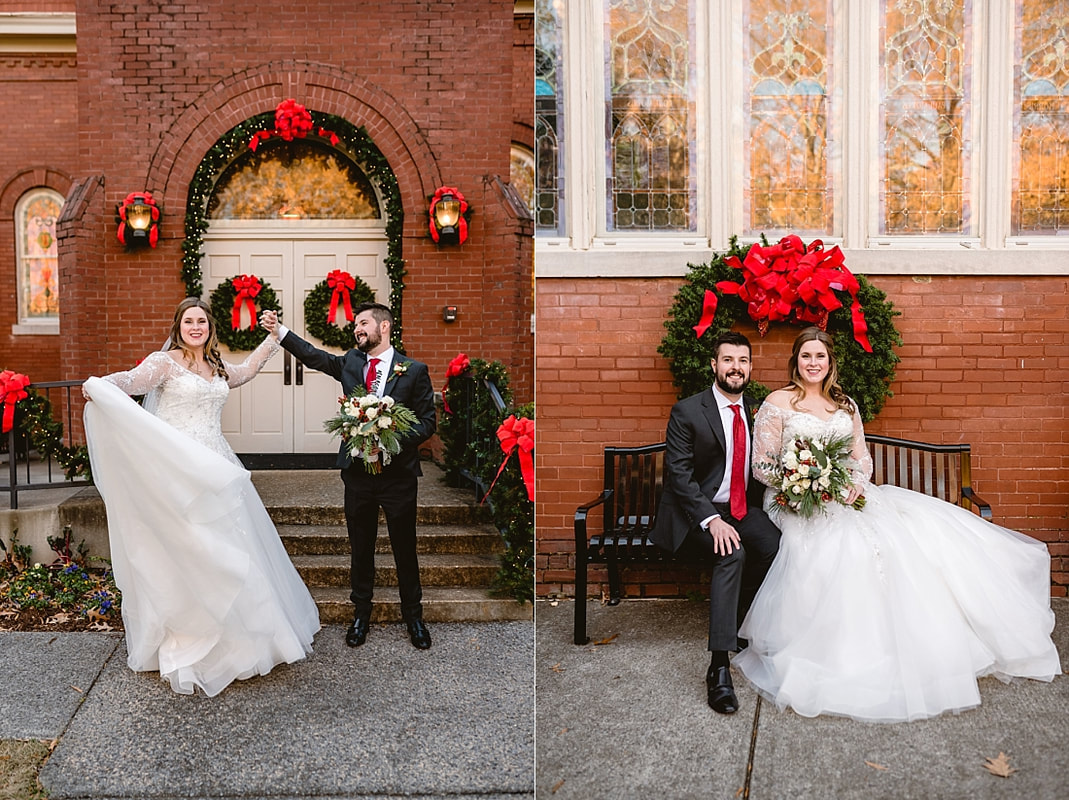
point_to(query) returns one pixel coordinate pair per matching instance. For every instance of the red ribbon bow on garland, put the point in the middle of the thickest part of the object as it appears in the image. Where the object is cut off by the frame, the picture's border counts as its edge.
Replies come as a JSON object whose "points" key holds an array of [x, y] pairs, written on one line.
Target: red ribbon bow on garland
{"points": [[457, 367], [292, 121], [462, 223], [12, 389], [517, 434], [247, 286], [789, 280], [342, 283]]}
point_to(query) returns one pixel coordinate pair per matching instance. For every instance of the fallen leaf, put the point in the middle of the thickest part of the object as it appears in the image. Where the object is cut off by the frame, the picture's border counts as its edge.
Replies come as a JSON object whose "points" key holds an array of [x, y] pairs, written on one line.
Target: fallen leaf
{"points": [[100, 626], [9, 613], [604, 597], [607, 641], [557, 667], [562, 731], [557, 786], [1000, 765], [740, 790], [875, 765], [58, 619], [79, 691], [554, 603]]}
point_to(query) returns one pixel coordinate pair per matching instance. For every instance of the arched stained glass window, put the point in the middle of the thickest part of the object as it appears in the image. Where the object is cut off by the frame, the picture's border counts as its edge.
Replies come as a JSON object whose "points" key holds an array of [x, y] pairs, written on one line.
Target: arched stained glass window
{"points": [[293, 180], [788, 180], [650, 98], [37, 255], [925, 105], [1041, 118], [549, 118]]}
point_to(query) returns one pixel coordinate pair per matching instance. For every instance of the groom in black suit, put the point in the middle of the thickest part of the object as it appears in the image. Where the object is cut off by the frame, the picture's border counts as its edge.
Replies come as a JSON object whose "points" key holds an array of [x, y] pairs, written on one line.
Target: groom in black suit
{"points": [[711, 504], [375, 365]]}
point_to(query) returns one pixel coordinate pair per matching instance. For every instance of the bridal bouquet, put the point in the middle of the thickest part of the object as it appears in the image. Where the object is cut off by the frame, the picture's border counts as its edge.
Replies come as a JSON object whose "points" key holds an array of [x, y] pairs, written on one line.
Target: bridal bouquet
{"points": [[370, 424], [812, 473]]}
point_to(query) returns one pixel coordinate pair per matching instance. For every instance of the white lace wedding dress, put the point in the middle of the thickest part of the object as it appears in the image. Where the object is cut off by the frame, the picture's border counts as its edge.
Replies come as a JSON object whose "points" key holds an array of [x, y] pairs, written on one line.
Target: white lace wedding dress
{"points": [[892, 612], [209, 594]]}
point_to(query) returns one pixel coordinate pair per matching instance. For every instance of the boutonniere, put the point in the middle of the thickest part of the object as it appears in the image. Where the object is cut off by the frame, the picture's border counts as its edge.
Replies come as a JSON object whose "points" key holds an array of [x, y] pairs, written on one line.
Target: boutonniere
{"points": [[400, 368]]}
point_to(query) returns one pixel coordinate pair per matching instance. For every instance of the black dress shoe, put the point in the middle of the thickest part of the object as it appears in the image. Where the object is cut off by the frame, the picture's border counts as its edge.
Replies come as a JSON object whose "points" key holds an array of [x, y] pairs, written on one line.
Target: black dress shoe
{"points": [[721, 691], [357, 633], [418, 633]]}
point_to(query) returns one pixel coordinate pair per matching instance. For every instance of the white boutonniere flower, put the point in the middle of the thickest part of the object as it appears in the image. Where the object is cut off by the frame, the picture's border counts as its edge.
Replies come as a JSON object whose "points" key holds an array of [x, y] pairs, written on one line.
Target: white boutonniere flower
{"points": [[400, 368]]}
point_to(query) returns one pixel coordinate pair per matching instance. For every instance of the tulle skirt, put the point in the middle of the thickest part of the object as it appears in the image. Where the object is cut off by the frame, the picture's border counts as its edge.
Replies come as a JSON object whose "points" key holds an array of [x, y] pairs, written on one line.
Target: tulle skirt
{"points": [[209, 594], [891, 613]]}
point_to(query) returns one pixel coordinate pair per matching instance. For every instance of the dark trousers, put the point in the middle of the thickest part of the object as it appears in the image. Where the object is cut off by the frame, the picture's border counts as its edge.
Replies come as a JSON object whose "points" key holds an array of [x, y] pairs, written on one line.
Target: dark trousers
{"points": [[737, 576], [395, 492]]}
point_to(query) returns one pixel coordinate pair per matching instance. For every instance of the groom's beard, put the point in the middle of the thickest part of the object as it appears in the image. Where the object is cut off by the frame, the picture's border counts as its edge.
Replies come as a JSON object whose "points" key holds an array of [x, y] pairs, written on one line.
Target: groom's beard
{"points": [[733, 383]]}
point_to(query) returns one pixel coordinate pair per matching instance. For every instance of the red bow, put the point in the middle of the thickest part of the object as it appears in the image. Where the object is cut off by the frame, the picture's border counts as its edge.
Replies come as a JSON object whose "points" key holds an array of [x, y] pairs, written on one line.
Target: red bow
{"points": [[153, 230], [292, 121], [248, 286], [12, 389], [458, 366], [462, 223], [517, 434], [342, 283], [789, 281]]}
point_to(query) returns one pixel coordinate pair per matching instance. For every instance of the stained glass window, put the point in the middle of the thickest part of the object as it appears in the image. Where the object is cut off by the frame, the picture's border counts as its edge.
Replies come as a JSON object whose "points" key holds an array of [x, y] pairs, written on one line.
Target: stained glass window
{"points": [[293, 180], [549, 116], [788, 182], [522, 174], [650, 89], [924, 113], [1041, 118], [38, 263]]}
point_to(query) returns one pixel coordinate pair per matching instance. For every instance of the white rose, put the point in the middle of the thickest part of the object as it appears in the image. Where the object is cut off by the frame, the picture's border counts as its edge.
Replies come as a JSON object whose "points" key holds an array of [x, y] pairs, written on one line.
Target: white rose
{"points": [[805, 455], [387, 401], [790, 461], [368, 400], [371, 412], [384, 422]]}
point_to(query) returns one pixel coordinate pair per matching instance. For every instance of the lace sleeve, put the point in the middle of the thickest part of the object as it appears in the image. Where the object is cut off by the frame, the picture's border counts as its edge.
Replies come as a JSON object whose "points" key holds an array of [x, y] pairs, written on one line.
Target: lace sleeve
{"points": [[253, 363], [153, 370], [861, 471], [767, 443]]}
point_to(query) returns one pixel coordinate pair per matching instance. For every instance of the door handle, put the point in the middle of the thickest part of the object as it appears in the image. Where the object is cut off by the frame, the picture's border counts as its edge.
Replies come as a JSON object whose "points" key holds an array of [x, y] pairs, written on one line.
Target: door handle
{"points": [[287, 369], [300, 373]]}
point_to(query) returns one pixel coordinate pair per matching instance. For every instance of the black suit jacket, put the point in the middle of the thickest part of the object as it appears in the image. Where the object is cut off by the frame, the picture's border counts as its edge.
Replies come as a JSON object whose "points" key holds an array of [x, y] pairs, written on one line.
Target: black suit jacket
{"points": [[694, 464], [410, 386]]}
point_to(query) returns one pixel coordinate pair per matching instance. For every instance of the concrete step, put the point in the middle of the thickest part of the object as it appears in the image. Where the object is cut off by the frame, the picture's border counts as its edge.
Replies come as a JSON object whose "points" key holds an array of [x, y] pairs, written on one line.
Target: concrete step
{"points": [[435, 569], [440, 604], [311, 540]]}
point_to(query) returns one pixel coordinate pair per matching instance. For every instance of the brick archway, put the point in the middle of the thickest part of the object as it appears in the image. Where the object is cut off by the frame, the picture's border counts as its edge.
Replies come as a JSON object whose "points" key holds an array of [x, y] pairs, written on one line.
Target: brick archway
{"points": [[317, 87]]}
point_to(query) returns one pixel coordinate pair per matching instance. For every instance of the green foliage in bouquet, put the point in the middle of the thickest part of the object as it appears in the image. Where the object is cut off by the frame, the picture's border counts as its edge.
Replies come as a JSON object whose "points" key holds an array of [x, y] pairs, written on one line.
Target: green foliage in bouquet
{"points": [[865, 377], [365, 422]]}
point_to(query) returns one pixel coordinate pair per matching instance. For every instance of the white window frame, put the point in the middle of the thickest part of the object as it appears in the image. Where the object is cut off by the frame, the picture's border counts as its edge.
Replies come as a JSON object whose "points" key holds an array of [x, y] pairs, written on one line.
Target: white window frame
{"points": [[589, 250]]}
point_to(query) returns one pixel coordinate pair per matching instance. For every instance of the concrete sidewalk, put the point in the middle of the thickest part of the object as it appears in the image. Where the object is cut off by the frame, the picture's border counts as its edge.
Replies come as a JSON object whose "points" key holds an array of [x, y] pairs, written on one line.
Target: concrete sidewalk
{"points": [[628, 719], [380, 720]]}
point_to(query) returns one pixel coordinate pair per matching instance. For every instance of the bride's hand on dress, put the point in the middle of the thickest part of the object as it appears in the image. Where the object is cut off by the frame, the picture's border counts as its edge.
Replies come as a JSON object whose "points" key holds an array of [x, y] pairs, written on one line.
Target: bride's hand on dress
{"points": [[725, 538]]}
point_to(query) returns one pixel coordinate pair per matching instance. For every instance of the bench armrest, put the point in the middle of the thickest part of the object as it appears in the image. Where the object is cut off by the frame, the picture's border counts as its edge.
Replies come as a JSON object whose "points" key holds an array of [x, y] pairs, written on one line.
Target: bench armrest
{"points": [[975, 501], [581, 515]]}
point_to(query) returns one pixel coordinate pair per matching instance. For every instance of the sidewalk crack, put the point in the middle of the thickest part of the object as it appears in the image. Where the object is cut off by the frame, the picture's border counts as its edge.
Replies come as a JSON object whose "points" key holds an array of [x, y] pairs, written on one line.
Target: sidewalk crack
{"points": [[753, 748]]}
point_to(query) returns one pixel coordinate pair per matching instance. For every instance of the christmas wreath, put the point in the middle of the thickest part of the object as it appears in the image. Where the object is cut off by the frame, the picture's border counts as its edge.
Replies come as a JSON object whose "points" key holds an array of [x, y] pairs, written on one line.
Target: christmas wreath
{"points": [[786, 282], [236, 303], [339, 292]]}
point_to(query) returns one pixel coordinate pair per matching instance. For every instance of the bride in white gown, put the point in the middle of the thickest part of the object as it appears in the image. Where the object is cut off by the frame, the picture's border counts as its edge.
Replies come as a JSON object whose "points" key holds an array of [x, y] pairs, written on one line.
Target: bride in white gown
{"points": [[209, 594], [889, 613]]}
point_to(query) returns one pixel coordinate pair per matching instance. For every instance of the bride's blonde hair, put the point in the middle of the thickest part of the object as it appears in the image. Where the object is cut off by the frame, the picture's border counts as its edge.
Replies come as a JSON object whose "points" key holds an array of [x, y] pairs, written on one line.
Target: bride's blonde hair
{"points": [[211, 347], [829, 387]]}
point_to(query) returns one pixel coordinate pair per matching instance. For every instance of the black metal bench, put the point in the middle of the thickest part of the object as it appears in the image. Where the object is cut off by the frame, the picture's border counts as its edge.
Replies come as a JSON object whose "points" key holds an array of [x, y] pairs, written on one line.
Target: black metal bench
{"points": [[632, 492]]}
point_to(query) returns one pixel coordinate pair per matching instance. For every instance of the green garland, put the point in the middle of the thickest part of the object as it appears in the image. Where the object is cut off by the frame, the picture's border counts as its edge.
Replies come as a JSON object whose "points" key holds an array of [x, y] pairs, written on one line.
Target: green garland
{"points": [[33, 418], [865, 377], [317, 305], [353, 142], [222, 303]]}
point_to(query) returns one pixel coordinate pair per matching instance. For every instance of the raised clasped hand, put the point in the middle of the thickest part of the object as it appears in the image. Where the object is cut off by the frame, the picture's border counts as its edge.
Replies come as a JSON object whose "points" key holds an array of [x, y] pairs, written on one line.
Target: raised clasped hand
{"points": [[269, 322]]}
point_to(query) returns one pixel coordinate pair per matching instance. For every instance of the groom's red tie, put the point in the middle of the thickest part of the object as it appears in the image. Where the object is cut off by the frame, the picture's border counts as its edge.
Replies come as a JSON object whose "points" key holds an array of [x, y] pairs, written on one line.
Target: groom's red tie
{"points": [[372, 373], [738, 465]]}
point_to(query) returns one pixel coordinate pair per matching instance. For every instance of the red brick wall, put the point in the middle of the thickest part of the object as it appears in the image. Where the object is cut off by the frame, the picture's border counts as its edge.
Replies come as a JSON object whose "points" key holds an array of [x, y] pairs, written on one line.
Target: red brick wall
{"points": [[38, 149], [985, 361], [435, 85]]}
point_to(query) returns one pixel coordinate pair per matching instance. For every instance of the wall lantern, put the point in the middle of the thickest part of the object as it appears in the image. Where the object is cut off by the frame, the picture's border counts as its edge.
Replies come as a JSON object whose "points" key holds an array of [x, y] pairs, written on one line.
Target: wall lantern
{"points": [[449, 214], [139, 220]]}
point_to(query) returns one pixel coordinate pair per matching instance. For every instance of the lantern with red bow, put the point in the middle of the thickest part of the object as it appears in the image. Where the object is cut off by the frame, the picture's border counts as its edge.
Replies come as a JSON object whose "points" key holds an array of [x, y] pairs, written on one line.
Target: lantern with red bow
{"points": [[138, 216], [449, 213]]}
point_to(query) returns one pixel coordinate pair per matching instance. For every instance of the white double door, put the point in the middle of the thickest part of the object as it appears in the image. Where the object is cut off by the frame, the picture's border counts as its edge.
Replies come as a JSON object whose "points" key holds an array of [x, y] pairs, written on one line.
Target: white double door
{"points": [[282, 410]]}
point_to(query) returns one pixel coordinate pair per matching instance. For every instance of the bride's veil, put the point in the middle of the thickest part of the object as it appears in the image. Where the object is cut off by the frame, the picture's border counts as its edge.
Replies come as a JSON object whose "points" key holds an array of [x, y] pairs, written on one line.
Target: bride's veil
{"points": [[151, 400]]}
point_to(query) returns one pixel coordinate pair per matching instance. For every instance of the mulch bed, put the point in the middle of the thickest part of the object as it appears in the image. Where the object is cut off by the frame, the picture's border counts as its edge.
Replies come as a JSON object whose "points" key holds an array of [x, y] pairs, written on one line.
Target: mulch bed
{"points": [[32, 619]]}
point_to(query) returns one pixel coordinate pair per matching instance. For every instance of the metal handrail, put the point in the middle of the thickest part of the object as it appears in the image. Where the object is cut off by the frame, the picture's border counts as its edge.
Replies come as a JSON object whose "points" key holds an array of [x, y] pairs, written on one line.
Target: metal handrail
{"points": [[14, 451]]}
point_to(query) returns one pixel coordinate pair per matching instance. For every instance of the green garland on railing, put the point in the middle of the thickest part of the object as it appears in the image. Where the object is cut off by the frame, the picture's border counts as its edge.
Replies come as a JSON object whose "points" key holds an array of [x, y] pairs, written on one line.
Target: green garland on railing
{"points": [[33, 418], [865, 377], [354, 142], [513, 513]]}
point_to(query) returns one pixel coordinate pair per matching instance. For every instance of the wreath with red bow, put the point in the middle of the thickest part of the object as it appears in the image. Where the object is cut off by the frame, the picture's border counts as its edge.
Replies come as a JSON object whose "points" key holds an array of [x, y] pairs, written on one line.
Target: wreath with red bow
{"points": [[340, 293], [786, 282], [236, 305]]}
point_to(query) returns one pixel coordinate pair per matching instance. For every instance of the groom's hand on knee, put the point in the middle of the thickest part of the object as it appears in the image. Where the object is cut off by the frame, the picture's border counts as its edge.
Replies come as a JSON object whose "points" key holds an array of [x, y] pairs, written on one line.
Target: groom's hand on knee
{"points": [[725, 537]]}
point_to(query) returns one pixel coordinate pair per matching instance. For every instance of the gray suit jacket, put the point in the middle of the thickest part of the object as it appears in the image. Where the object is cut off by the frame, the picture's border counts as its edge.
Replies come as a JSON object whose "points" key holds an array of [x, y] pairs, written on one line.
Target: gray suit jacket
{"points": [[694, 465]]}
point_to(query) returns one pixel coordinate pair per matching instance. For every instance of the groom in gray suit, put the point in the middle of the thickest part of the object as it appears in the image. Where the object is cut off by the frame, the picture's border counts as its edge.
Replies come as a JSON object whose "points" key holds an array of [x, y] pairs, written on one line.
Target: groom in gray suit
{"points": [[711, 505]]}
